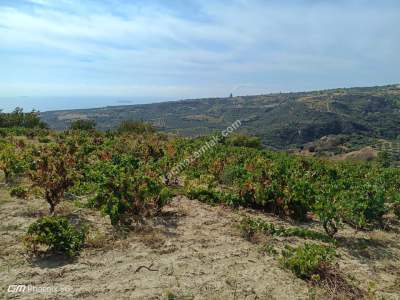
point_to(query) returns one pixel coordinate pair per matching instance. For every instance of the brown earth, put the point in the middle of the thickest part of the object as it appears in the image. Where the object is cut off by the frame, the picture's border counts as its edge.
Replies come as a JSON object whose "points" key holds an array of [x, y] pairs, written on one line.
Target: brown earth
{"points": [[364, 154], [193, 251]]}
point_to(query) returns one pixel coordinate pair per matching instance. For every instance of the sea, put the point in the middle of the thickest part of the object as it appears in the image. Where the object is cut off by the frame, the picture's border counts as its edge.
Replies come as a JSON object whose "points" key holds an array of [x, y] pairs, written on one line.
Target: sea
{"points": [[42, 104]]}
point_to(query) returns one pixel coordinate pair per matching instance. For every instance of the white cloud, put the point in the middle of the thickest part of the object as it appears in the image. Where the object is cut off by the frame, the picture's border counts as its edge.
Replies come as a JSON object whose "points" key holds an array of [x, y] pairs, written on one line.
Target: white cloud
{"points": [[58, 44]]}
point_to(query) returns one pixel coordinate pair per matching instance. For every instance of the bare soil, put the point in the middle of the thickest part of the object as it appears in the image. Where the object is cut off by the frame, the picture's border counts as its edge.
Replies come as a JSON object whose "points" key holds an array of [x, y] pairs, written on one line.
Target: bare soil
{"points": [[192, 251]]}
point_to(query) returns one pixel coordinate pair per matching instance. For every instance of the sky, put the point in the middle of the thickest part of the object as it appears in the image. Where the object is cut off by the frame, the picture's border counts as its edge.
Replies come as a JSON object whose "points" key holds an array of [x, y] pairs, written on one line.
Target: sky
{"points": [[58, 54]]}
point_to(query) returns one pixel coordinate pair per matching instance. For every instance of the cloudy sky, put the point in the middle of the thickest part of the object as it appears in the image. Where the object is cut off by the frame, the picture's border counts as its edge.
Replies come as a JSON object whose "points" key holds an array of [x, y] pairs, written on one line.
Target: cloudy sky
{"points": [[194, 48]]}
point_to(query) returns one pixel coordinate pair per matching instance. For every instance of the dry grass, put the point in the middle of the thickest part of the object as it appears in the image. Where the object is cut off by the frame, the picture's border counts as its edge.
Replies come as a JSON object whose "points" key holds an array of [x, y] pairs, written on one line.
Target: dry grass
{"points": [[337, 286], [97, 240], [153, 238]]}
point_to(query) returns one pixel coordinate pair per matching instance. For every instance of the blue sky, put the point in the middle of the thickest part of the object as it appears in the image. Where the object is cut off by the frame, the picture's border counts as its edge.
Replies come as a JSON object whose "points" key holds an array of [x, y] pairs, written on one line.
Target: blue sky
{"points": [[171, 49]]}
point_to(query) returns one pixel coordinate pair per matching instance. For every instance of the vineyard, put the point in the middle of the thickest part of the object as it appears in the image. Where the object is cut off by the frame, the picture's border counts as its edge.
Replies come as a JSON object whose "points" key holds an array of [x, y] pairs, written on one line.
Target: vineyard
{"points": [[325, 225]]}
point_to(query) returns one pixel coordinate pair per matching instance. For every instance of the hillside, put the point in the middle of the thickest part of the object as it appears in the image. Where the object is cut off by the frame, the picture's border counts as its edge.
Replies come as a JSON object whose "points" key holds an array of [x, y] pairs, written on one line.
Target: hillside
{"points": [[281, 120], [93, 215]]}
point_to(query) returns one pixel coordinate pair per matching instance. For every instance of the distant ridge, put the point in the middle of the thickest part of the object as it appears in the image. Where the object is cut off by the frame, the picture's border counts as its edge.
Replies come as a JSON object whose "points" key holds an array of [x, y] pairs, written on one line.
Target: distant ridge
{"points": [[282, 120]]}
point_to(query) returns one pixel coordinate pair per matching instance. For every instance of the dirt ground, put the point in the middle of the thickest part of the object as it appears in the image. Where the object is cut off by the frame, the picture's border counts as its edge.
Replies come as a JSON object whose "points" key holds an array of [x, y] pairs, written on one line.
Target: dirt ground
{"points": [[193, 251]]}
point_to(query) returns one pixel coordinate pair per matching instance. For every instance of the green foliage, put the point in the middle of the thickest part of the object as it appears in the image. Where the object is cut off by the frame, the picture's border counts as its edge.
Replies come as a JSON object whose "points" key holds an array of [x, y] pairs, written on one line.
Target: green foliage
{"points": [[85, 125], [327, 207], [55, 233], [242, 140], [359, 194], [18, 118], [279, 185], [282, 121], [395, 99], [232, 173], [299, 197], [44, 140], [308, 260], [396, 208], [250, 226], [268, 248], [212, 196], [19, 192], [384, 159], [11, 161], [125, 174], [125, 192], [3, 133], [363, 204], [135, 127]]}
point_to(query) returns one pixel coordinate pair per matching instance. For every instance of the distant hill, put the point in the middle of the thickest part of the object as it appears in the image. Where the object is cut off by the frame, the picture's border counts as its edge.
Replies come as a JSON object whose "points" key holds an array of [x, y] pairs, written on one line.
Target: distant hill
{"points": [[281, 120]]}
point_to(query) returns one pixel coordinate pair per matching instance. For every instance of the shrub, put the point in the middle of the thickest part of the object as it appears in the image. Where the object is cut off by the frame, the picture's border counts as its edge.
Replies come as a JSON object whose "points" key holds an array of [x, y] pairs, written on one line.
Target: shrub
{"points": [[308, 260], [268, 248], [3, 132], [56, 234], [384, 159], [212, 196], [299, 197], [19, 192], [44, 140], [242, 140], [281, 185], [135, 127], [232, 173], [204, 195], [85, 125], [30, 134], [250, 226], [11, 162], [54, 172], [327, 208], [127, 194], [363, 204], [396, 210]]}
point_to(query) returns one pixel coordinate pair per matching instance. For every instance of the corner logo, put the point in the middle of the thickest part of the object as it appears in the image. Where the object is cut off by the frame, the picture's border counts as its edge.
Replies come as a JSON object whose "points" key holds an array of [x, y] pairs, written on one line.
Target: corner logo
{"points": [[16, 288]]}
